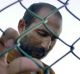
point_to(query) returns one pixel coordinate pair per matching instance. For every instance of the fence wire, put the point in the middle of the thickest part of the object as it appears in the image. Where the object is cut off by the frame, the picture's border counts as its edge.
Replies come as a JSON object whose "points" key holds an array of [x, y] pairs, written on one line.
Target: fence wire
{"points": [[44, 22]]}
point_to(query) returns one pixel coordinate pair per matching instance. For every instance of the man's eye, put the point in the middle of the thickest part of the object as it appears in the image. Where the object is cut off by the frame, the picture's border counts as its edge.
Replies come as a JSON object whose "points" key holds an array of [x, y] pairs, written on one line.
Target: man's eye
{"points": [[42, 33]]}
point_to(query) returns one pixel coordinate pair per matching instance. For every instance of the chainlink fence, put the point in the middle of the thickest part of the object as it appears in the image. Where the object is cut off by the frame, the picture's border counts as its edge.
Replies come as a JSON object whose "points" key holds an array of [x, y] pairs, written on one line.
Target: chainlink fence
{"points": [[43, 22]]}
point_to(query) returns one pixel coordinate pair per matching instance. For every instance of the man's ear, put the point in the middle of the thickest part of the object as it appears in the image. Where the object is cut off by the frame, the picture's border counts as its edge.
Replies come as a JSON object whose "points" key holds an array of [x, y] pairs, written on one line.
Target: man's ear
{"points": [[21, 25]]}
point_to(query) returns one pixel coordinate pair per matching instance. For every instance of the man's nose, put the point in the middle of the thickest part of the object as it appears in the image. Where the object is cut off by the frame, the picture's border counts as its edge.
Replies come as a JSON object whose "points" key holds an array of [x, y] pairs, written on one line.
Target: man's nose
{"points": [[46, 42]]}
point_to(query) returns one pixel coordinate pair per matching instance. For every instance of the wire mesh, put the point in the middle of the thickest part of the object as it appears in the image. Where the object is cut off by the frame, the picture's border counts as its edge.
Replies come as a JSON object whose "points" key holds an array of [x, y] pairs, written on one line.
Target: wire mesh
{"points": [[43, 21]]}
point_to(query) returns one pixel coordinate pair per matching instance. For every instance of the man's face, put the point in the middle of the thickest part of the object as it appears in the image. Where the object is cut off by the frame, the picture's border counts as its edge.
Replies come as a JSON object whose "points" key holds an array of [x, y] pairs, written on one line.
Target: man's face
{"points": [[40, 41]]}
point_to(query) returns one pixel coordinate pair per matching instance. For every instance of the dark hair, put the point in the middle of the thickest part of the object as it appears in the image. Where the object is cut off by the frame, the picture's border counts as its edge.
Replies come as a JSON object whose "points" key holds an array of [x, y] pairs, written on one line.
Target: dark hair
{"points": [[28, 18]]}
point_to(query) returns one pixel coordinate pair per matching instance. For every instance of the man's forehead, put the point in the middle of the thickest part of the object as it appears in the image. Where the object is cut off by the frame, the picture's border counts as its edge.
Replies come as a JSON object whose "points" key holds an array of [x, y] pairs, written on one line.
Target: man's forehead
{"points": [[44, 12], [53, 21]]}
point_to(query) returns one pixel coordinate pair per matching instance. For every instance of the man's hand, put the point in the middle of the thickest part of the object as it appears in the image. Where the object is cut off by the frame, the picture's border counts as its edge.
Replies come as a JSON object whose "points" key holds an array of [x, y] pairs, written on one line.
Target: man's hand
{"points": [[23, 65], [8, 38]]}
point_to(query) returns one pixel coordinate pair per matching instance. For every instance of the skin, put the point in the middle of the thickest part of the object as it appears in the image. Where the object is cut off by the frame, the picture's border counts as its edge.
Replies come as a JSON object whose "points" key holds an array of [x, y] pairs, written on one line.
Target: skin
{"points": [[3, 63], [41, 38], [6, 41], [19, 65], [35, 39]]}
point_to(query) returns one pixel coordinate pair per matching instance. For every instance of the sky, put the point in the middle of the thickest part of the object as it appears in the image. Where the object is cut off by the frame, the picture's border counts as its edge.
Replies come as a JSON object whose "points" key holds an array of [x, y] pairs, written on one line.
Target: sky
{"points": [[70, 32]]}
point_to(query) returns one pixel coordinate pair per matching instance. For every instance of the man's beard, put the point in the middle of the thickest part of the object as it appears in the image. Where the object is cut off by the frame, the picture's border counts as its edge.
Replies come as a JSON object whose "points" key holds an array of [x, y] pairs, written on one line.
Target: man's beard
{"points": [[35, 52]]}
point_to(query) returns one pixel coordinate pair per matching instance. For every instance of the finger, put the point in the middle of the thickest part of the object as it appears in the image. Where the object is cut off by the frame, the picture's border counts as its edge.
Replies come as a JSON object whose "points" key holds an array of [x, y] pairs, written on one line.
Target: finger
{"points": [[10, 33], [22, 64]]}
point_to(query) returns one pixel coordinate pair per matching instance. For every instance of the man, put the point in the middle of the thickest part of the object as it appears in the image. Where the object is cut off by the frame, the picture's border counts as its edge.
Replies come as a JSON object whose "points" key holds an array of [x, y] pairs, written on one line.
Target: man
{"points": [[38, 42]]}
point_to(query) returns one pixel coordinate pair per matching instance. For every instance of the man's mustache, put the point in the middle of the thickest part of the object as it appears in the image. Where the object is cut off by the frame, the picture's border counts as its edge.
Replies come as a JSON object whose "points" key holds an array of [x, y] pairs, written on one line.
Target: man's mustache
{"points": [[36, 52]]}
